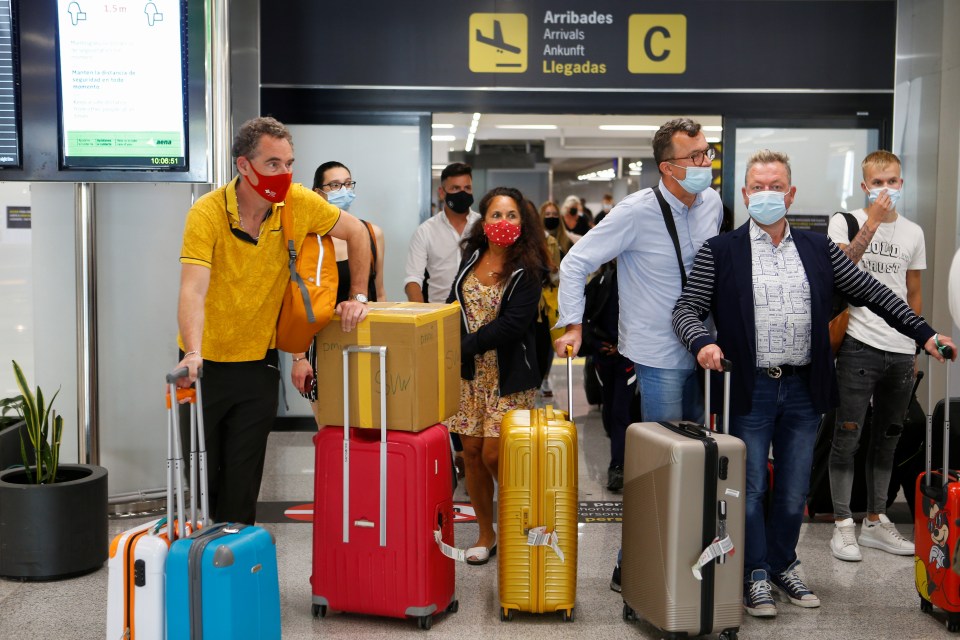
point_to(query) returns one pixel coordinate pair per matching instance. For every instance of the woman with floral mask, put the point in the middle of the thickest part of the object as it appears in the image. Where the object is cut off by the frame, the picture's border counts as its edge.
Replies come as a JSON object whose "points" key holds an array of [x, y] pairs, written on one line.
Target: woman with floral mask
{"points": [[333, 181], [498, 287]]}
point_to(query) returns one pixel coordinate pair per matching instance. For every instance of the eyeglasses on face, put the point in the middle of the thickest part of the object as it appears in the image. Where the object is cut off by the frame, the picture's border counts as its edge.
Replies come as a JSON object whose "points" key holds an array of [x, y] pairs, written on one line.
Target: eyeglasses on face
{"points": [[697, 156], [336, 186]]}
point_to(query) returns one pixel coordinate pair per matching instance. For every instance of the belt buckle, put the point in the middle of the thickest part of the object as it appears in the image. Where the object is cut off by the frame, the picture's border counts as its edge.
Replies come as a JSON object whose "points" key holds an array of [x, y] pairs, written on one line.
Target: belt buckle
{"points": [[775, 372]]}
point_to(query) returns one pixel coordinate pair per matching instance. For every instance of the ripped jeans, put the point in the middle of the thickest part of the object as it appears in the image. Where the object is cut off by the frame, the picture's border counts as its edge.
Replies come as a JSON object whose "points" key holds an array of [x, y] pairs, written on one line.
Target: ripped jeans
{"points": [[864, 372]]}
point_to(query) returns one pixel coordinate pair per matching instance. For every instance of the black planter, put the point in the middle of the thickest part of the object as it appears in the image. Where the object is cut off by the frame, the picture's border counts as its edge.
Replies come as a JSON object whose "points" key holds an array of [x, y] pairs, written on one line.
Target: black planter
{"points": [[53, 531]]}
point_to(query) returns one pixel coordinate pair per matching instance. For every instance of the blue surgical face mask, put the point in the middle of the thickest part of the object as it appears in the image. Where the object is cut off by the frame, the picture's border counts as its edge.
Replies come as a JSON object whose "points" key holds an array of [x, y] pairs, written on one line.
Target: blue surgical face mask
{"points": [[698, 179], [341, 198], [894, 194], [767, 207]]}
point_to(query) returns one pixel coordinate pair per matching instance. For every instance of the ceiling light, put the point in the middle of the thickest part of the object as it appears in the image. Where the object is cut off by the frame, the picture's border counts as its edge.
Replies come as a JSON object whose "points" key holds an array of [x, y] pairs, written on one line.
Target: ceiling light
{"points": [[714, 140], [467, 147], [629, 127], [437, 125], [438, 167], [443, 138], [603, 174], [526, 126], [712, 128]]}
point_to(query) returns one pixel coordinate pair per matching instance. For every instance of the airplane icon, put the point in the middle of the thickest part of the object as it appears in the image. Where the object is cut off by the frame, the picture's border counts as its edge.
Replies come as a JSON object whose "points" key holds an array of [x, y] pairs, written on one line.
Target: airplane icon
{"points": [[497, 40]]}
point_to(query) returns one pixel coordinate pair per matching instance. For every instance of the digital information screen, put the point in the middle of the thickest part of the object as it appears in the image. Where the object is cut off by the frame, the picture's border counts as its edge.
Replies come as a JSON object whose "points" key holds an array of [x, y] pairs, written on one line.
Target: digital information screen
{"points": [[122, 73], [9, 90]]}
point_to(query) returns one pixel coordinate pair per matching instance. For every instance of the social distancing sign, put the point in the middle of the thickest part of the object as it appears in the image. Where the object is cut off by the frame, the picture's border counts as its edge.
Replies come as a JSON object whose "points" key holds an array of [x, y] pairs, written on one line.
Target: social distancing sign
{"points": [[657, 43], [498, 43]]}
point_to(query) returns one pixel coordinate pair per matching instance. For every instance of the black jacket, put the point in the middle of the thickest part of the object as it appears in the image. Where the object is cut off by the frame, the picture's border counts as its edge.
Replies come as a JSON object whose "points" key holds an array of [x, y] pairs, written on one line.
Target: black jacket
{"points": [[512, 333]]}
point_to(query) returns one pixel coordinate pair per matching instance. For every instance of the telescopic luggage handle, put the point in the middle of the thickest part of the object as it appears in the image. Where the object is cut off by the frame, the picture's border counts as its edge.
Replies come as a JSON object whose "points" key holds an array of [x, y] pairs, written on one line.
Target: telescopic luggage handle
{"points": [[570, 381], [198, 456], [727, 367], [947, 352], [382, 351]]}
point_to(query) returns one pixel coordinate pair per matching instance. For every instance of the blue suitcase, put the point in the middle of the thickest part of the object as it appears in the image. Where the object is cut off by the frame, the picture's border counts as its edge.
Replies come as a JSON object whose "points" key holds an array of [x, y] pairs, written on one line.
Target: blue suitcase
{"points": [[222, 584]]}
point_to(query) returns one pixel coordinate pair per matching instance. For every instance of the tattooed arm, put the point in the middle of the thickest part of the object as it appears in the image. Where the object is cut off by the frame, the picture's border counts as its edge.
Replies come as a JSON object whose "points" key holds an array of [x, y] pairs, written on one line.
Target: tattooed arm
{"points": [[876, 213]]}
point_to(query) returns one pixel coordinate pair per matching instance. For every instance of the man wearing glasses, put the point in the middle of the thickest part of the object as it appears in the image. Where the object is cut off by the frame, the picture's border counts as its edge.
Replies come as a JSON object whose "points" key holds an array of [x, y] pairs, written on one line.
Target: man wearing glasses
{"points": [[654, 234]]}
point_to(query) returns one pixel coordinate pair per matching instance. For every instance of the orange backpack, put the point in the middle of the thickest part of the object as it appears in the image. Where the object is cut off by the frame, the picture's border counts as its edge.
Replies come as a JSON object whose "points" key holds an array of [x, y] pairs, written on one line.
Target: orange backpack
{"points": [[310, 298]]}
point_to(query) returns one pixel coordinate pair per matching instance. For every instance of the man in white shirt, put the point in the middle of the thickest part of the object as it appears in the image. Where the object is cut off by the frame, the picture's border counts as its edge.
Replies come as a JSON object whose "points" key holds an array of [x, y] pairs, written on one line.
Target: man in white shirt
{"points": [[875, 360], [434, 253]]}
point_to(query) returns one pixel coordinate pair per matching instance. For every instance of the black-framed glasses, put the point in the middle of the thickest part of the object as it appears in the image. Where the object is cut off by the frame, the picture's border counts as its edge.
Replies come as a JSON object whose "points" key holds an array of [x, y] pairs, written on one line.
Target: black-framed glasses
{"points": [[336, 186], [697, 156]]}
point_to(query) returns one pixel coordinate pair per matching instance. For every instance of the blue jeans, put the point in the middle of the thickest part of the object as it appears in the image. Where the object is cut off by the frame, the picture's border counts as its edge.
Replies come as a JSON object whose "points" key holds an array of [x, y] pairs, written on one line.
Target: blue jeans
{"points": [[669, 394], [783, 415], [864, 372]]}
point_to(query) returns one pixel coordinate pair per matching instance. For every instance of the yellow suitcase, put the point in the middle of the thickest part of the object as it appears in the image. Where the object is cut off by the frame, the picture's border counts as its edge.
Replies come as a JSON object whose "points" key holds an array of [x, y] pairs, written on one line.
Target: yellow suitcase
{"points": [[537, 530]]}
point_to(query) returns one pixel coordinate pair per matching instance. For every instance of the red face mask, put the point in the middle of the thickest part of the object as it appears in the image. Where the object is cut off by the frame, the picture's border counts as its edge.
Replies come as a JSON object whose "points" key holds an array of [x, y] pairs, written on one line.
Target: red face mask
{"points": [[503, 233], [271, 188]]}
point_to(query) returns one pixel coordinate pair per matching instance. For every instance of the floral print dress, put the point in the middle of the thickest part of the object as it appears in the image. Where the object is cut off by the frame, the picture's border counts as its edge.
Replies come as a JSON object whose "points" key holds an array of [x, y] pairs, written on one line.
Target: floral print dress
{"points": [[481, 407]]}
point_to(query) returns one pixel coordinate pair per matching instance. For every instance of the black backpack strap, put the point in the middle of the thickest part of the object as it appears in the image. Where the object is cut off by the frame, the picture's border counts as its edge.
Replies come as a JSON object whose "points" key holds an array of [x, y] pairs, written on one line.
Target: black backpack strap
{"points": [[853, 227], [672, 230]]}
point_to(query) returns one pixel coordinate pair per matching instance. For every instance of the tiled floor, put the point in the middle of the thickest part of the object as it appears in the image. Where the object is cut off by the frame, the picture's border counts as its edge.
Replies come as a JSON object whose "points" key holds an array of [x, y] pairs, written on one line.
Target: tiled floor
{"points": [[875, 598]]}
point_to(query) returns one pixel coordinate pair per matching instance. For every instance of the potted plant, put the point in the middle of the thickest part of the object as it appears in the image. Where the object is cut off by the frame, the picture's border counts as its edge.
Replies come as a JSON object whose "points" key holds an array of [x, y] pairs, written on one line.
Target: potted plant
{"points": [[53, 517]]}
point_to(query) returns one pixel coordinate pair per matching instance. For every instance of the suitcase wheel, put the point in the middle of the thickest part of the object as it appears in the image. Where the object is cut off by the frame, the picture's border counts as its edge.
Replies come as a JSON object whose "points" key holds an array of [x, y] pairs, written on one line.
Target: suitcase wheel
{"points": [[319, 610], [629, 615], [728, 634], [567, 615], [506, 615], [925, 605], [453, 607], [424, 622], [953, 623]]}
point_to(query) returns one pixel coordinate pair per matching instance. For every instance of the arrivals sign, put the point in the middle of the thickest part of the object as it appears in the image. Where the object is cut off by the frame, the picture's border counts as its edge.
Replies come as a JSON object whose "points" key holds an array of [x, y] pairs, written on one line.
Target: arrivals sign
{"points": [[606, 44]]}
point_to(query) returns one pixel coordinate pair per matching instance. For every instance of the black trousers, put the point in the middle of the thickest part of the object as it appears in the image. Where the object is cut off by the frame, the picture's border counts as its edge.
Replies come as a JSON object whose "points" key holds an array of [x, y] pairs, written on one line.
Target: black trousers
{"points": [[240, 402]]}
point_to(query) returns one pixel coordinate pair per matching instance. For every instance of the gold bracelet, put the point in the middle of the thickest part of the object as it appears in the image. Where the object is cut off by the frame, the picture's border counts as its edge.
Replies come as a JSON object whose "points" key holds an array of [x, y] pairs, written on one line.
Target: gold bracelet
{"points": [[295, 359], [193, 353]]}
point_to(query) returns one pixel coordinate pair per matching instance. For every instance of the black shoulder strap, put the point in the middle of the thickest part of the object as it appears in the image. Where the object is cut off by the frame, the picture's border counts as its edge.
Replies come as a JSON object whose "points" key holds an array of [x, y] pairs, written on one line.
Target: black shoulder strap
{"points": [[853, 227], [672, 230], [373, 249]]}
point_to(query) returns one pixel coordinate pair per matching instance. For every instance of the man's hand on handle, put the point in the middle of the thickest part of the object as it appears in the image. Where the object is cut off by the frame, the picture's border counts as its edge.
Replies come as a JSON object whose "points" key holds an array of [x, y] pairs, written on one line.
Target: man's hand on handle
{"points": [[573, 338], [192, 362], [937, 343], [710, 357]]}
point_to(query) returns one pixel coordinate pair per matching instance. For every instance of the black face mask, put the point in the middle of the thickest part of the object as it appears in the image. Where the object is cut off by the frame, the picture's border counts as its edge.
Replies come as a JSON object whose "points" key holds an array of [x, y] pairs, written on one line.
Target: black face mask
{"points": [[459, 202], [551, 223]]}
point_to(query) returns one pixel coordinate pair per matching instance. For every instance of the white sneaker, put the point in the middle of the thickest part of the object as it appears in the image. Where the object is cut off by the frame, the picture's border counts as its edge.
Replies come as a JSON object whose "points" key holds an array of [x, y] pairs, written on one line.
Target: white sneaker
{"points": [[843, 544], [883, 535]]}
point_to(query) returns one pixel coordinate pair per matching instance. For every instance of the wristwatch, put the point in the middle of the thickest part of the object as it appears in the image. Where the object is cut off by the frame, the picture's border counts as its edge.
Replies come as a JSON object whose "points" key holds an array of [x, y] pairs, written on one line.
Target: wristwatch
{"points": [[359, 297]]}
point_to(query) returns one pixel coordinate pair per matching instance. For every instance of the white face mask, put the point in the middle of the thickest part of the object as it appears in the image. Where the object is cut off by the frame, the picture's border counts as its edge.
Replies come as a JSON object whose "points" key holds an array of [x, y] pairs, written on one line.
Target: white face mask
{"points": [[894, 194]]}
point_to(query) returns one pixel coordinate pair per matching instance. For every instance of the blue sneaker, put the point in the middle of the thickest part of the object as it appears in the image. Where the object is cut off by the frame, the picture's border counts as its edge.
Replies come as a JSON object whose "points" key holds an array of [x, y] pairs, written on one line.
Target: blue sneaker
{"points": [[792, 586], [757, 595]]}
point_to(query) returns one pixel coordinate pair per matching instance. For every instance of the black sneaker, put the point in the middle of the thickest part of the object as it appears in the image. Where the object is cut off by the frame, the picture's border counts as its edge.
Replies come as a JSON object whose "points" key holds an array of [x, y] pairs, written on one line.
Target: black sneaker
{"points": [[615, 478], [615, 580], [794, 589]]}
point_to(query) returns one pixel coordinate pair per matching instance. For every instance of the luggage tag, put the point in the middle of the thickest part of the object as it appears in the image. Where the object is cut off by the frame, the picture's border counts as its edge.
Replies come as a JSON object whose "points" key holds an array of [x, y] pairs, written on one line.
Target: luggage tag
{"points": [[718, 548], [539, 537], [458, 555]]}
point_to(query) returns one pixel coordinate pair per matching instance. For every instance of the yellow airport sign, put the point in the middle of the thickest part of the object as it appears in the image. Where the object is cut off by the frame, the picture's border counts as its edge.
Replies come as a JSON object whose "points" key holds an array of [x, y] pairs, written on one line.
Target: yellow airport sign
{"points": [[498, 42], [657, 43]]}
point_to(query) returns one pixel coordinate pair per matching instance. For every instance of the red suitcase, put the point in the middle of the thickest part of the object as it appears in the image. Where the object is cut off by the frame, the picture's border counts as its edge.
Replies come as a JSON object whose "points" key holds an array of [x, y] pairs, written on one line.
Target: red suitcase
{"points": [[375, 538], [937, 527]]}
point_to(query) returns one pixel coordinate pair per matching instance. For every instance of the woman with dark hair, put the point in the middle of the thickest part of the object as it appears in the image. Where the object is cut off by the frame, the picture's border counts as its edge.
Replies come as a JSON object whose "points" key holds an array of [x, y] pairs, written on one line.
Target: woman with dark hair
{"points": [[498, 287], [333, 181]]}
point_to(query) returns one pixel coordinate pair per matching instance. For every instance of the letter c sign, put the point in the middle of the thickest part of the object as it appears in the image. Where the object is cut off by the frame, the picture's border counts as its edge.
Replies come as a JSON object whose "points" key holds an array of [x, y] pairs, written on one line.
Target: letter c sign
{"points": [[657, 43]]}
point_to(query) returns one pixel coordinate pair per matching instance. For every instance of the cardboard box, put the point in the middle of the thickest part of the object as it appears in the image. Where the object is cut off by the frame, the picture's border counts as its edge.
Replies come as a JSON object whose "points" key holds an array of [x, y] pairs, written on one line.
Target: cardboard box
{"points": [[423, 367]]}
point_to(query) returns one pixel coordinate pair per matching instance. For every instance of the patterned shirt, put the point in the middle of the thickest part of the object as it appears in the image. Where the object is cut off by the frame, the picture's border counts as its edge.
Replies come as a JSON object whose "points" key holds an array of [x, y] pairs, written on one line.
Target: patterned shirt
{"points": [[781, 300]]}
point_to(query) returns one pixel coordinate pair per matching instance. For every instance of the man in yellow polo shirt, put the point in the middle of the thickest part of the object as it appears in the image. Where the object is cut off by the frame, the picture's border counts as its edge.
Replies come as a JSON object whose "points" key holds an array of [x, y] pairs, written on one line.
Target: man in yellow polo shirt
{"points": [[233, 275]]}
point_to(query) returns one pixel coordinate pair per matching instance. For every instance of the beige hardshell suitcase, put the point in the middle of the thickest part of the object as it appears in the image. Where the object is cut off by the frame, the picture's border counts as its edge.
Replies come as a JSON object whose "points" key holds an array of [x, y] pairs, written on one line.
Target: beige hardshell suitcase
{"points": [[683, 526]]}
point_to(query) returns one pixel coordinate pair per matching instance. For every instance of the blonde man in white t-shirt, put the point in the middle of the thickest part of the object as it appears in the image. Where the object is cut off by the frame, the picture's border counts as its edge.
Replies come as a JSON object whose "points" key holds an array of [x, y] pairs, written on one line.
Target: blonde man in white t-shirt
{"points": [[875, 361]]}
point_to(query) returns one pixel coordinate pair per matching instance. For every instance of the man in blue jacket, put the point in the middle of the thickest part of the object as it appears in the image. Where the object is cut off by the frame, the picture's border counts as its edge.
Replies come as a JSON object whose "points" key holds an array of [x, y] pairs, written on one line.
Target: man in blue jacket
{"points": [[769, 290]]}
